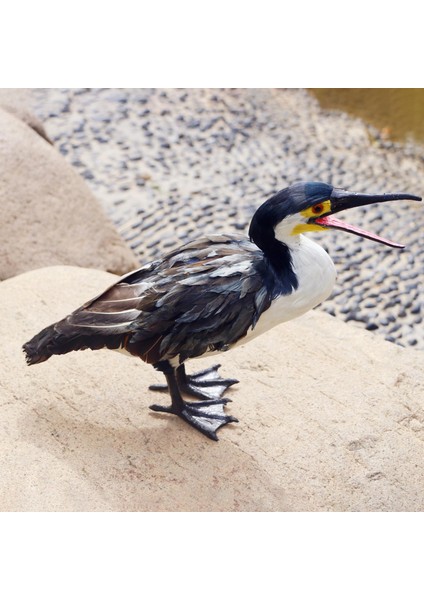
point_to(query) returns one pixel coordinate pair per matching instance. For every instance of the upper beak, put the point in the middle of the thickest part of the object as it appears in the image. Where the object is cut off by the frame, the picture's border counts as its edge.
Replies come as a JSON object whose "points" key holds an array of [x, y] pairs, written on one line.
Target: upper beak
{"points": [[342, 200]]}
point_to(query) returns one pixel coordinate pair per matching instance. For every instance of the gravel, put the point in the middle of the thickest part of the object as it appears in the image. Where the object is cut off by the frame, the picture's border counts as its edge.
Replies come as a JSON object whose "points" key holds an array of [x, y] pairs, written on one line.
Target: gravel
{"points": [[170, 165]]}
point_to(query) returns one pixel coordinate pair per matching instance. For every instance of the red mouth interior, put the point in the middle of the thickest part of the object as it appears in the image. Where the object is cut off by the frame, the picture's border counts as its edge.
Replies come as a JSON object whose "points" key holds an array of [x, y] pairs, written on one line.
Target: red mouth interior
{"points": [[330, 221]]}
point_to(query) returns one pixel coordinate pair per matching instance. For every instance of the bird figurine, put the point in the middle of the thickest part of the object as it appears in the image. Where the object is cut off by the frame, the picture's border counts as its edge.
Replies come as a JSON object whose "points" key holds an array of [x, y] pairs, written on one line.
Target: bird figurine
{"points": [[213, 294]]}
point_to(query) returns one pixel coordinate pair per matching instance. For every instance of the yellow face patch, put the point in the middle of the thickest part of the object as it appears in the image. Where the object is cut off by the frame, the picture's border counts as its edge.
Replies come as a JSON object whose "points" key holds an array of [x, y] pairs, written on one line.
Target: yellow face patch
{"points": [[305, 227], [317, 210]]}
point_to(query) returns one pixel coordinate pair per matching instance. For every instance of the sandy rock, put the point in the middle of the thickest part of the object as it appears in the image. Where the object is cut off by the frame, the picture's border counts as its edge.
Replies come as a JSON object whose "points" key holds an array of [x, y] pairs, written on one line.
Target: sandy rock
{"points": [[331, 419], [18, 103], [48, 214]]}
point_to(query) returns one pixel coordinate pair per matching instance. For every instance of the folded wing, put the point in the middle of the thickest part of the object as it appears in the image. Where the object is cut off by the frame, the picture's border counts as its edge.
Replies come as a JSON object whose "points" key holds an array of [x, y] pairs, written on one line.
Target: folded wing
{"points": [[202, 297]]}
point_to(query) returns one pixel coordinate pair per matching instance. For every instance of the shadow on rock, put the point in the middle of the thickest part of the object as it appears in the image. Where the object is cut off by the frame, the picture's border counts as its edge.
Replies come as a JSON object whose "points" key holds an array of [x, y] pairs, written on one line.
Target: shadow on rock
{"points": [[153, 468]]}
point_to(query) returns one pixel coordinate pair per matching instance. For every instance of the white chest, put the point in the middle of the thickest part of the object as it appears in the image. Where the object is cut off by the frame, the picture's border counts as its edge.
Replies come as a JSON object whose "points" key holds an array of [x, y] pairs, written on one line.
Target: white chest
{"points": [[316, 275]]}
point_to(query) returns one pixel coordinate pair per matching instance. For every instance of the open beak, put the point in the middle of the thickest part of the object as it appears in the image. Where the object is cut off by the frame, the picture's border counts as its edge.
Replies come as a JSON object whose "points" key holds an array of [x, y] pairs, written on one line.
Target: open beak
{"points": [[342, 200]]}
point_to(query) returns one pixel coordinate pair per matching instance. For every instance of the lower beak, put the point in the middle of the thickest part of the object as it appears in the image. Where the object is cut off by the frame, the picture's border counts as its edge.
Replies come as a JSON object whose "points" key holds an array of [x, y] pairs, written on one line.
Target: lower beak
{"points": [[343, 200]]}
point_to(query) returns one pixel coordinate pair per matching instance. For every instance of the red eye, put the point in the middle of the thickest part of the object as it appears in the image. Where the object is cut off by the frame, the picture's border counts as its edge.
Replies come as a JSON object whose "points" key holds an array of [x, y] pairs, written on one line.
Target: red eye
{"points": [[317, 209]]}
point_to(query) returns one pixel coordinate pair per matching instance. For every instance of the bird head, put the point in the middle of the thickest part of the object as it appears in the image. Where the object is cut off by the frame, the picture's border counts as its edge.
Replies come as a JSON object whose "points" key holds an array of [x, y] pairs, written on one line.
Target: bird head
{"points": [[310, 206]]}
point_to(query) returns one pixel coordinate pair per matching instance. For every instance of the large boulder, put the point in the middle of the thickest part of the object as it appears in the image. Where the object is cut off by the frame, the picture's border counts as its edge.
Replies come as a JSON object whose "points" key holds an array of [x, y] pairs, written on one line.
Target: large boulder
{"points": [[48, 215], [331, 419]]}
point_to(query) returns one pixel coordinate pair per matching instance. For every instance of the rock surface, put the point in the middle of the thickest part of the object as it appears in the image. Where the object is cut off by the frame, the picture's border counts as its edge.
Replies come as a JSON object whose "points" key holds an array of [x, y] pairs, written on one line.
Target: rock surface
{"points": [[18, 103], [48, 215], [331, 419]]}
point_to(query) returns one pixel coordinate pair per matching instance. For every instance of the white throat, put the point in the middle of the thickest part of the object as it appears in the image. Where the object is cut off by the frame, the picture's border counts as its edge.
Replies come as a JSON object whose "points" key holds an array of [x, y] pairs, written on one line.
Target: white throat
{"points": [[283, 232]]}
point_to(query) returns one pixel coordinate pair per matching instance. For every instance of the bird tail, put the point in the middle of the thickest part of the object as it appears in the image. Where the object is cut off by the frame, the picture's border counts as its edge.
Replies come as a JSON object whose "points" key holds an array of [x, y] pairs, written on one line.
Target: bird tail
{"points": [[65, 336], [42, 346], [107, 321], [61, 338]]}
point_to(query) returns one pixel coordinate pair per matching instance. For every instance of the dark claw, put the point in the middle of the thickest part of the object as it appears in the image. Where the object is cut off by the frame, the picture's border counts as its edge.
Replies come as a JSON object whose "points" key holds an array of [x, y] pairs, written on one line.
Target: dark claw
{"points": [[159, 387]]}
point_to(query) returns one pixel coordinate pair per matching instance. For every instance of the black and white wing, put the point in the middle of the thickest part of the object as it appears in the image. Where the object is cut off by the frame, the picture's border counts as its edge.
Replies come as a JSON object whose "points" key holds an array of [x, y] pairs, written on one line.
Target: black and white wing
{"points": [[202, 297]]}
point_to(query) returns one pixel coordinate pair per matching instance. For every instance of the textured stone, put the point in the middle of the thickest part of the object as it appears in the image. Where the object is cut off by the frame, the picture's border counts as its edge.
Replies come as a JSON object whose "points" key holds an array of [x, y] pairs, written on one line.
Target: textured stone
{"points": [[48, 215], [331, 419], [17, 102]]}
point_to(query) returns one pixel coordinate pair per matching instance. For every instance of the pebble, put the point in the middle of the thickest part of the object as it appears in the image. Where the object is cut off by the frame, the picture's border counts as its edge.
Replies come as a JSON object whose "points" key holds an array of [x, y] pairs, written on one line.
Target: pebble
{"points": [[203, 160], [87, 174], [390, 338], [135, 155]]}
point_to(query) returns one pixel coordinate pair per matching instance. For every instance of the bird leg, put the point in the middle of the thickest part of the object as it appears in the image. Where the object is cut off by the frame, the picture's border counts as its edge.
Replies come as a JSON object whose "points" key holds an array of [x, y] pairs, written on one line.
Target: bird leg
{"points": [[206, 416], [205, 385]]}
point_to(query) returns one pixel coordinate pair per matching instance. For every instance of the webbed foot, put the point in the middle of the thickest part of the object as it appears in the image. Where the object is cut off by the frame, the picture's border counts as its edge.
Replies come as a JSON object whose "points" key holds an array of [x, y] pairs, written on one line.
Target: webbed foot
{"points": [[207, 416]]}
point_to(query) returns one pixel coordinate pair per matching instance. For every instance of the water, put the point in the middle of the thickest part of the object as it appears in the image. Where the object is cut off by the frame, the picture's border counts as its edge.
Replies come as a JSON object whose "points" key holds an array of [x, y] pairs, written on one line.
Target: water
{"points": [[397, 113]]}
